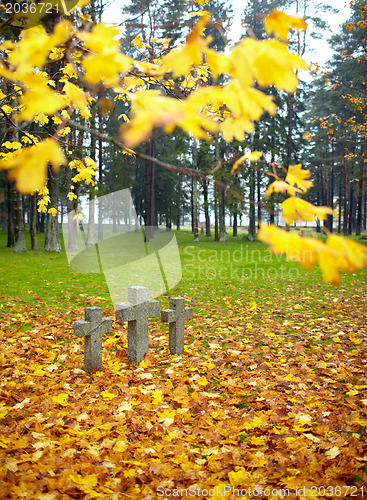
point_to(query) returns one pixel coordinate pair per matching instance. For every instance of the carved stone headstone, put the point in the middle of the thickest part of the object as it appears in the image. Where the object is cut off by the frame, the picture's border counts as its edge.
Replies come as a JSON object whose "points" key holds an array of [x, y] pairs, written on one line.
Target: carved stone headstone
{"points": [[137, 313], [176, 317], [92, 329]]}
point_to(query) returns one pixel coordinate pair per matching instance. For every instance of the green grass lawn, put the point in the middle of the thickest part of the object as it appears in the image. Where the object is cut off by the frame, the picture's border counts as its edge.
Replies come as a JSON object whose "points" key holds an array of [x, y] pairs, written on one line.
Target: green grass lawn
{"points": [[237, 268]]}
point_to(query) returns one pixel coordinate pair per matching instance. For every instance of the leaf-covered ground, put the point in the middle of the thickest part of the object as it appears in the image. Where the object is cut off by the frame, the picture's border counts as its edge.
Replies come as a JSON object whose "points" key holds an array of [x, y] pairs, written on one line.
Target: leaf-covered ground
{"points": [[270, 395]]}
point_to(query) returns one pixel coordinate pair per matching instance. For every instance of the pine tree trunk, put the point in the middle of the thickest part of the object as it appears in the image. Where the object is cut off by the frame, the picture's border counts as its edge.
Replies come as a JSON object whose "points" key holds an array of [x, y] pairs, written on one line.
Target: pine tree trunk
{"points": [[222, 215], [360, 197], [19, 244], [71, 206], [252, 222], [345, 201], [235, 223], [290, 129], [52, 237], [206, 208], [235, 211], [216, 218], [11, 216], [178, 220], [91, 225], [33, 223], [258, 178], [351, 208], [153, 222], [195, 194], [147, 211]]}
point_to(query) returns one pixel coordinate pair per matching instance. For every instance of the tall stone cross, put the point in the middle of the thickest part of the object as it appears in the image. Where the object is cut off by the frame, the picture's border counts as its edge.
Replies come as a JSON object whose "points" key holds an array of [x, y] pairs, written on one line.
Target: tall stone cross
{"points": [[137, 313], [91, 329], [176, 316]]}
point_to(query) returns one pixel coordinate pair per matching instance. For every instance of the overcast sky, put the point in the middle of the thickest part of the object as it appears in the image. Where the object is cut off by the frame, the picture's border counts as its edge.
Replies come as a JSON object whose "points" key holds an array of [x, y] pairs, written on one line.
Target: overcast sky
{"points": [[321, 49]]}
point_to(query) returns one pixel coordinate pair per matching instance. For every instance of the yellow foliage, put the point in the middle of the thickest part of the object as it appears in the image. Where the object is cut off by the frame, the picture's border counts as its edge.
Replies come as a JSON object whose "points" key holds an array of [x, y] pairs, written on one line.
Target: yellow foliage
{"points": [[77, 99], [295, 209], [279, 23], [297, 177], [29, 166], [281, 187], [336, 254], [40, 98]]}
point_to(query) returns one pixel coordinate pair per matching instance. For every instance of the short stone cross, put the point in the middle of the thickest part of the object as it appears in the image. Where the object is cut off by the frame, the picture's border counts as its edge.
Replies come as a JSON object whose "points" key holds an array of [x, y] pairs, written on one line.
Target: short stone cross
{"points": [[91, 329], [176, 316], [137, 313]]}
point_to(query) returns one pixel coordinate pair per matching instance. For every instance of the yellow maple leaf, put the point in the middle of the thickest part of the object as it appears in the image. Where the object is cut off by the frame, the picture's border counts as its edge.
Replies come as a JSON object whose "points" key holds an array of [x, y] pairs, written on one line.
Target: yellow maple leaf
{"points": [[295, 209], [203, 381], [282, 187], [278, 22], [275, 65], [29, 167], [90, 480], [352, 255], [77, 99], [108, 395], [40, 98], [239, 477], [297, 177], [105, 68], [61, 399], [158, 396], [180, 60], [302, 250]]}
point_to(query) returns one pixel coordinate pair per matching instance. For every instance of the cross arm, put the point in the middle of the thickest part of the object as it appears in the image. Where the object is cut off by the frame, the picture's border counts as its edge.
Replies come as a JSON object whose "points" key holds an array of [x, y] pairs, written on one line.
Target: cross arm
{"points": [[82, 328], [168, 315], [125, 312], [188, 313]]}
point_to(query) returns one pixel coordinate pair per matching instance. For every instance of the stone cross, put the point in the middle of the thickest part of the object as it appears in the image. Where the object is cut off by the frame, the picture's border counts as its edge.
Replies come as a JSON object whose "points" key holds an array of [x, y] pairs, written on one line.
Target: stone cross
{"points": [[91, 329], [176, 316], [137, 313]]}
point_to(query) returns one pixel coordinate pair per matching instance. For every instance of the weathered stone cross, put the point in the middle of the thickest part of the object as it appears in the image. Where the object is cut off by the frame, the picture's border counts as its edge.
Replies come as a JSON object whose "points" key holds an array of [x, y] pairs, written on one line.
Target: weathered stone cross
{"points": [[91, 329], [176, 317], [137, 313]]}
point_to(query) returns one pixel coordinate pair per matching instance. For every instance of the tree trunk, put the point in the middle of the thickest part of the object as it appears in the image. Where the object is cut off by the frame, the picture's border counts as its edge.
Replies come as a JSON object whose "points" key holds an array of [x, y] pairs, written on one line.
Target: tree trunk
{"points": [[11, 216], [91, 225], [345, 201], [252, 222], [222, 214], [360, 197], [19, 244], [290, 130], [70, 207], [153, 221], [351, 207], [195, 194], [235, 223], [147, 207], [33, 223], [206, 208], [216, 218], [52, 237], [258, 178]]}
